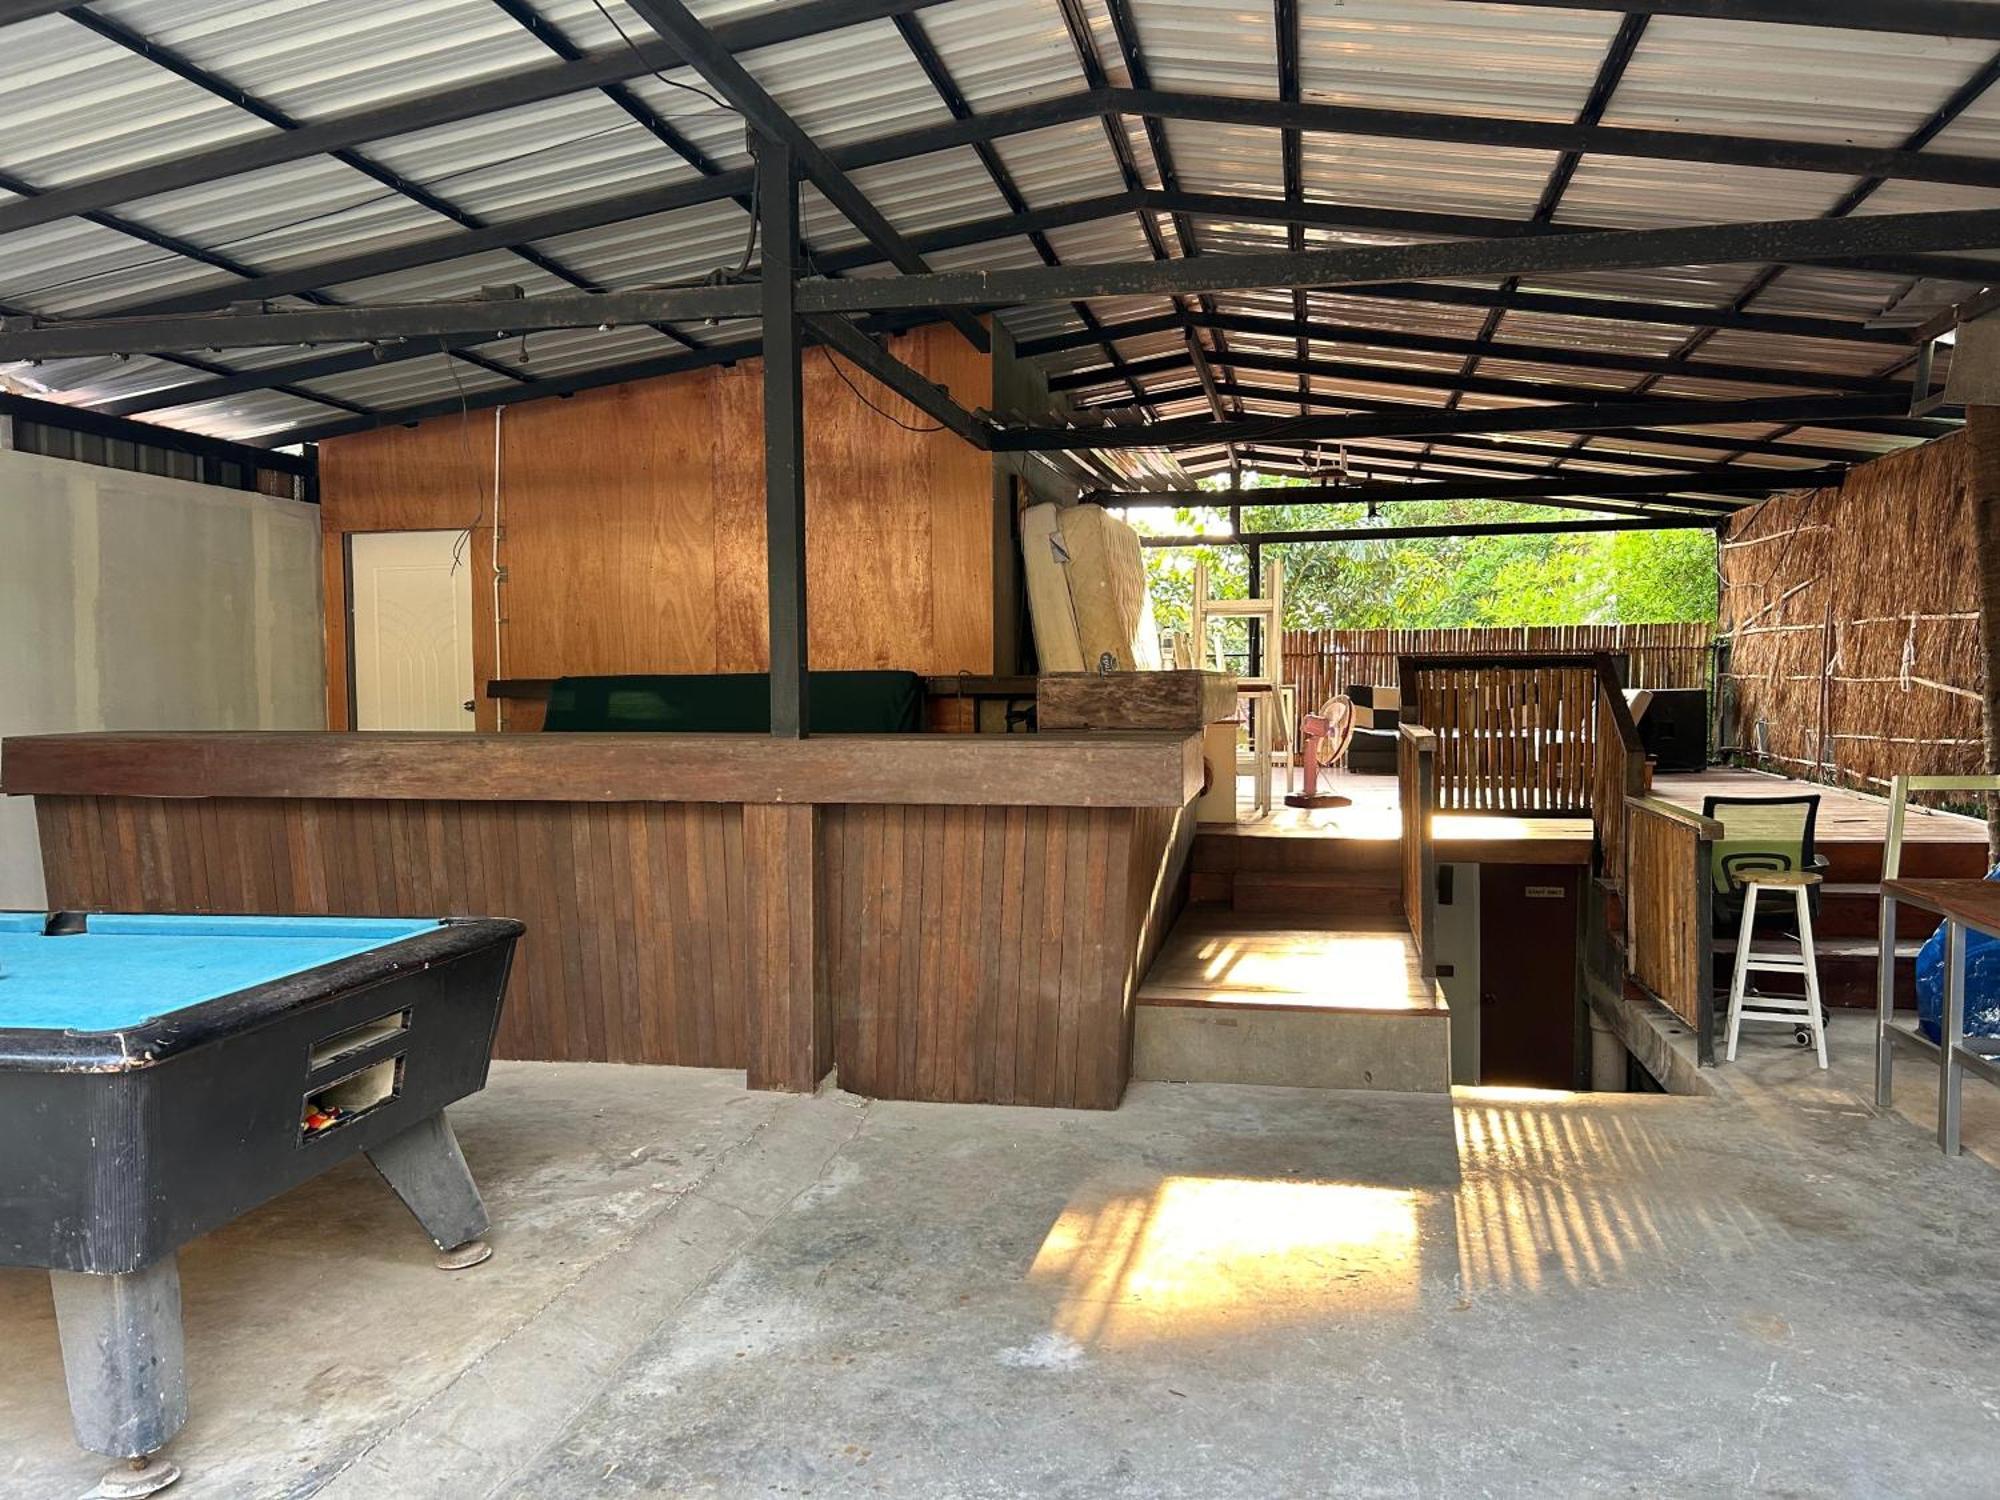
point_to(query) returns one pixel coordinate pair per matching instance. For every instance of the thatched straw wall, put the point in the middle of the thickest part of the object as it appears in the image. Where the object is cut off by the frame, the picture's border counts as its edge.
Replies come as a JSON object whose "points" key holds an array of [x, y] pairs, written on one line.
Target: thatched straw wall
{"points": [[1853, 621]]}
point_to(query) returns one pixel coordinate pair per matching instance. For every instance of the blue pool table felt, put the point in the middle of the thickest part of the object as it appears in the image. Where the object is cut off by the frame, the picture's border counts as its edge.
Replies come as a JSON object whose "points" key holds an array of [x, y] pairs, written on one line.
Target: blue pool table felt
{"points": [[124, 970]]}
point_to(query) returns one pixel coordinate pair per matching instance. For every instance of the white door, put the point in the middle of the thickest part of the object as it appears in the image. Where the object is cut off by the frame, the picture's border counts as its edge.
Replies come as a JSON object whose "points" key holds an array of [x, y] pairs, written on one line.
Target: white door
{"points": [[412, 629]]}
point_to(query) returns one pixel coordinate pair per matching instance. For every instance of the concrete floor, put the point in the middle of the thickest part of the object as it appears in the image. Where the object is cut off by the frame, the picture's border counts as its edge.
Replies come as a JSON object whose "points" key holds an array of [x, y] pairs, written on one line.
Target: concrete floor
{"points": [[1214, 1291]]}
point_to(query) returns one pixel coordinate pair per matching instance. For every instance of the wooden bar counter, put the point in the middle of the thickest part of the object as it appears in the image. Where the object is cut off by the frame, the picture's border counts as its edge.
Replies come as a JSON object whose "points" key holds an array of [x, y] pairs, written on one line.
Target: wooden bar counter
{"points": [[943, 917]]}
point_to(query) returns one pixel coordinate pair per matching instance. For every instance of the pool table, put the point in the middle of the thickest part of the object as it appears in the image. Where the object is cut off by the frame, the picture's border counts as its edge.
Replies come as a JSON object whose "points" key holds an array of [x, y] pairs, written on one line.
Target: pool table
{"points": [[161, 1075]]}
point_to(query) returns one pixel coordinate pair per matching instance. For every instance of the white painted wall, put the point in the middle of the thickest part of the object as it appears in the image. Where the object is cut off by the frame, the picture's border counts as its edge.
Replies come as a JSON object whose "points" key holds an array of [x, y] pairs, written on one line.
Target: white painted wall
{"points": [[128, 601], [1458, 949]]}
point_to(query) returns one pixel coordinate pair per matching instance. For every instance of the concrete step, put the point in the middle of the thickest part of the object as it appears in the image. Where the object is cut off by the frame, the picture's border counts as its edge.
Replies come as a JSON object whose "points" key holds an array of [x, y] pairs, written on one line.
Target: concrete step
{"points": [[1363, 894], [1292, 1046]]}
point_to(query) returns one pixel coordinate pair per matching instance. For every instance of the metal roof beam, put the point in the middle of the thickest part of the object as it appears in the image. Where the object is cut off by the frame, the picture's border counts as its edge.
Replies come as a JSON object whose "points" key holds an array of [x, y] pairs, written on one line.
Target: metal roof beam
{"points": [[1895, 425], [978, 131], [1700, 482], [915, 387], [567, 384], [1510, 457], [1727, 448], [1471, 528], [1604, 309], [317, 367], [1584, 417], [1561, 355], [1137, 501], [1134, 500], [716, 63], [1710, 244]]}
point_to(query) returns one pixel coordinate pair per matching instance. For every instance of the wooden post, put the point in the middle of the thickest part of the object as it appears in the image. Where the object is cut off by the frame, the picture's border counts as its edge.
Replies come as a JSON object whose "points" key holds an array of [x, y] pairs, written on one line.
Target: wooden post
{"points": [[790, 1028], [1982, 424]]}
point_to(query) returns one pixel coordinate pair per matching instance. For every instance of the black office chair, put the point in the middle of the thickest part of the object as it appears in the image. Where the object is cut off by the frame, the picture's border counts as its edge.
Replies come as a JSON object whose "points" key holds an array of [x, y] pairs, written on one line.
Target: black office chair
{"points": [[1759, 833]]}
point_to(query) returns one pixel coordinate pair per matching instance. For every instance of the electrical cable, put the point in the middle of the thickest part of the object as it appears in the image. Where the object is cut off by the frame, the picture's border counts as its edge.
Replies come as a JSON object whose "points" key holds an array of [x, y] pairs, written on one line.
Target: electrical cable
{"points": [[463, 540], [671, 83], [887, 416]]}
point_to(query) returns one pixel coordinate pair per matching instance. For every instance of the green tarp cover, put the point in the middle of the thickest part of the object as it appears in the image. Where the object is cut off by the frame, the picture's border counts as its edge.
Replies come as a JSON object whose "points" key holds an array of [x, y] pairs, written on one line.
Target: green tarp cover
{"points": [[735, 703]]}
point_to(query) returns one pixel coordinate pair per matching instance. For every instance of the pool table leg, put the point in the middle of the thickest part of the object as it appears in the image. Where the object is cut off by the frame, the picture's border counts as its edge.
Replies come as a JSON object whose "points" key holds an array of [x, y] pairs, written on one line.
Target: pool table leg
{"points": [[121, 1348], [428, 1172]]}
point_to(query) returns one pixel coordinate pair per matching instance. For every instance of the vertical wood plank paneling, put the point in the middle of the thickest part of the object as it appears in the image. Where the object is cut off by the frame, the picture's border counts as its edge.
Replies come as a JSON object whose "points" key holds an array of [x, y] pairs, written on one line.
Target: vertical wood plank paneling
{"points": [[601, 974], [633, 525], [1667, 852], [781, 851], [952, 953]]}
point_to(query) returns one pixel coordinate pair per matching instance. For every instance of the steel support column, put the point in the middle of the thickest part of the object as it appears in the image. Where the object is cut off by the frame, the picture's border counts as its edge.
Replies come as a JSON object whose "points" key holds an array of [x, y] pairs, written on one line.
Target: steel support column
{"points": [[784, 435]]}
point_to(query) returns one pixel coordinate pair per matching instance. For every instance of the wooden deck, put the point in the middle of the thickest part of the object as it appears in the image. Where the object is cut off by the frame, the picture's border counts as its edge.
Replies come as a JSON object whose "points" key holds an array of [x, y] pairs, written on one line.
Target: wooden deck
{"points": [[1468, 837], [1844, 818]]}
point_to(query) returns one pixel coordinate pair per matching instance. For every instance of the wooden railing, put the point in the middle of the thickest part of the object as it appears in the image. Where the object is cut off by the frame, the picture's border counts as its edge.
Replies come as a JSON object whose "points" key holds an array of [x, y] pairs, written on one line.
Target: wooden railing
{"points": [[1521, 734], [1619, 775], [1667, 911], [1416, 780]]}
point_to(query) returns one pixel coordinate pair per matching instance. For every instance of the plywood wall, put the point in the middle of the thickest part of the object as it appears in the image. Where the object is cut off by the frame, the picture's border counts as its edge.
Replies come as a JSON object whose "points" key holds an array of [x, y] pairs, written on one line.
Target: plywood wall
{"points": [[632, 524], [1852, 615]]}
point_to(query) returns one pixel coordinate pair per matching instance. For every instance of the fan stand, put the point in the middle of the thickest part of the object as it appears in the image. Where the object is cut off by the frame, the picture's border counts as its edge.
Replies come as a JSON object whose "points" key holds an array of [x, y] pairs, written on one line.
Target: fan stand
{"points": [[1325, 735]]}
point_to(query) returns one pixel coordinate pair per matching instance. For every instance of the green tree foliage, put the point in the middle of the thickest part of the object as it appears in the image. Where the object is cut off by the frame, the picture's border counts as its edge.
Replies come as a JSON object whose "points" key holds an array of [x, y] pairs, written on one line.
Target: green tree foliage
{"points": [[1544, 579]]}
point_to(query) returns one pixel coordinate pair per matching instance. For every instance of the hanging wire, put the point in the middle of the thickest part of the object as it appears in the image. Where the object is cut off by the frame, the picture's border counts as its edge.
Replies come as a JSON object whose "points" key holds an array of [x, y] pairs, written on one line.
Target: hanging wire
{"points": [[859, 395], [671, 83]]}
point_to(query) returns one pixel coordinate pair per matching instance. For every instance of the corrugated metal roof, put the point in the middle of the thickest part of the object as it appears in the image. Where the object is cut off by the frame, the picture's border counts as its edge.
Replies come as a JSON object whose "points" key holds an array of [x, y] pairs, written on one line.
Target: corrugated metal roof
{"points": [[1454, 58], [81, 106], [1806, 83]]}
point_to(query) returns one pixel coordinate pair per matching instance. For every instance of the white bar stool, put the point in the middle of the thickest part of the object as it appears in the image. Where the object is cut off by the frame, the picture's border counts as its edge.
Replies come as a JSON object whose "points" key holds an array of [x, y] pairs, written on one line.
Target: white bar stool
{"points": [[1803, 1014]]}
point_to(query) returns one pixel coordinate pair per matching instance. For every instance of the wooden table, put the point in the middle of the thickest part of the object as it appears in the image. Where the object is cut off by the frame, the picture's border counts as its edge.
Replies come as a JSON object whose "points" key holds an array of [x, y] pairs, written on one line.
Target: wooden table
{"points": [[1965, 906]]}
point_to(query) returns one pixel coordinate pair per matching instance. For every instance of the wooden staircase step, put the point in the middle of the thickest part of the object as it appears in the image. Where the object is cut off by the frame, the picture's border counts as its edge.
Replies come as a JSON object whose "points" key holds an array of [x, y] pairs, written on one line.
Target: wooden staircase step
{"points": [[1367, 894]]}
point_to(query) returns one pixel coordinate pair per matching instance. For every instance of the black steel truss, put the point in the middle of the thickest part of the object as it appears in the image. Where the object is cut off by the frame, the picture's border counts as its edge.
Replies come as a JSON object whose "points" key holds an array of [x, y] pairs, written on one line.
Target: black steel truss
{"points": [[1462, 529], [1706, 244], [1603, 361], [1688, 488], [1034, 222], [1437, 422], [1904, 245], [717, 64]]}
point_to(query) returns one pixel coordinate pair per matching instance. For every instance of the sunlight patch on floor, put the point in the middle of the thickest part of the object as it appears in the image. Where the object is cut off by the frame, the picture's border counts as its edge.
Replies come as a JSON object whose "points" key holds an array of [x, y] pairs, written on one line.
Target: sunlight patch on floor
{"points": [[1556, 1194], [1200, 1256]]}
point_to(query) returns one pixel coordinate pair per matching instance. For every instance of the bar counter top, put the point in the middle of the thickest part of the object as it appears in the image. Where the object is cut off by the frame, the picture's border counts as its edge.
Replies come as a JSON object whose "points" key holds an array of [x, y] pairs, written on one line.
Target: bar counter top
{"points": [[916, 770]]}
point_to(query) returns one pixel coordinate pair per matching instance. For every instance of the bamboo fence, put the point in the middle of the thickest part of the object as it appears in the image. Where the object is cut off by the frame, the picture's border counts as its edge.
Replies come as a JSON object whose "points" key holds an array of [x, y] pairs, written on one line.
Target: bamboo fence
{"points": [[1322, 663]]}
